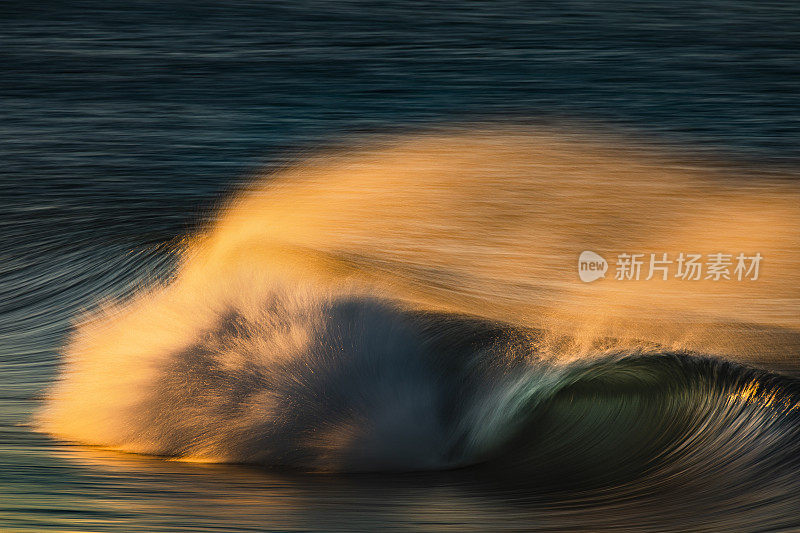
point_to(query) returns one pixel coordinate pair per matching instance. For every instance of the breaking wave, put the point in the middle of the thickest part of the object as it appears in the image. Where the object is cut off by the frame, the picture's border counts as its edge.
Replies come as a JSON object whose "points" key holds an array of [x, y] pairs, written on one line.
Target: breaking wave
{"points": [[413, 304]]}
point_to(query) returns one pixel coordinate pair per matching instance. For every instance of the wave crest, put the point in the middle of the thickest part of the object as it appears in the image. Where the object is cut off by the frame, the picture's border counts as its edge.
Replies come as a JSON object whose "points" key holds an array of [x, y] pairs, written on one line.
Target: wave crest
{"points": [[415, 306]]}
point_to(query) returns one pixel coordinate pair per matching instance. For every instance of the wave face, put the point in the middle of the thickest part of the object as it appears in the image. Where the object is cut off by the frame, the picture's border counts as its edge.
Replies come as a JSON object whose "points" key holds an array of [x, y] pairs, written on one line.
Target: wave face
{"points": [[413, 304]]}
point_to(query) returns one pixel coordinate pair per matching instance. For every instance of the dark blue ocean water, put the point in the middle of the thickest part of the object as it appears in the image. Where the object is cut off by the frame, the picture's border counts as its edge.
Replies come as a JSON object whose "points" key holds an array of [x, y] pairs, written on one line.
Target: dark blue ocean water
{"points": [[122, 124]]}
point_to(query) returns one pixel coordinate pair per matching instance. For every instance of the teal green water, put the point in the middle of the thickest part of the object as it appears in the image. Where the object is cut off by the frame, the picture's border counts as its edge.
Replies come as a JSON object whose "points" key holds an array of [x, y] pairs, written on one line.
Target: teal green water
{"points": [[124, 124]]}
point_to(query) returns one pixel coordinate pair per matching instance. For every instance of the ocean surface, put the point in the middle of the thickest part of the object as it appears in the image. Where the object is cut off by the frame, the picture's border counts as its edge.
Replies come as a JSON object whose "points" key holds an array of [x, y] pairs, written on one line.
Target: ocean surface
{"points": [[313, 266]]}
